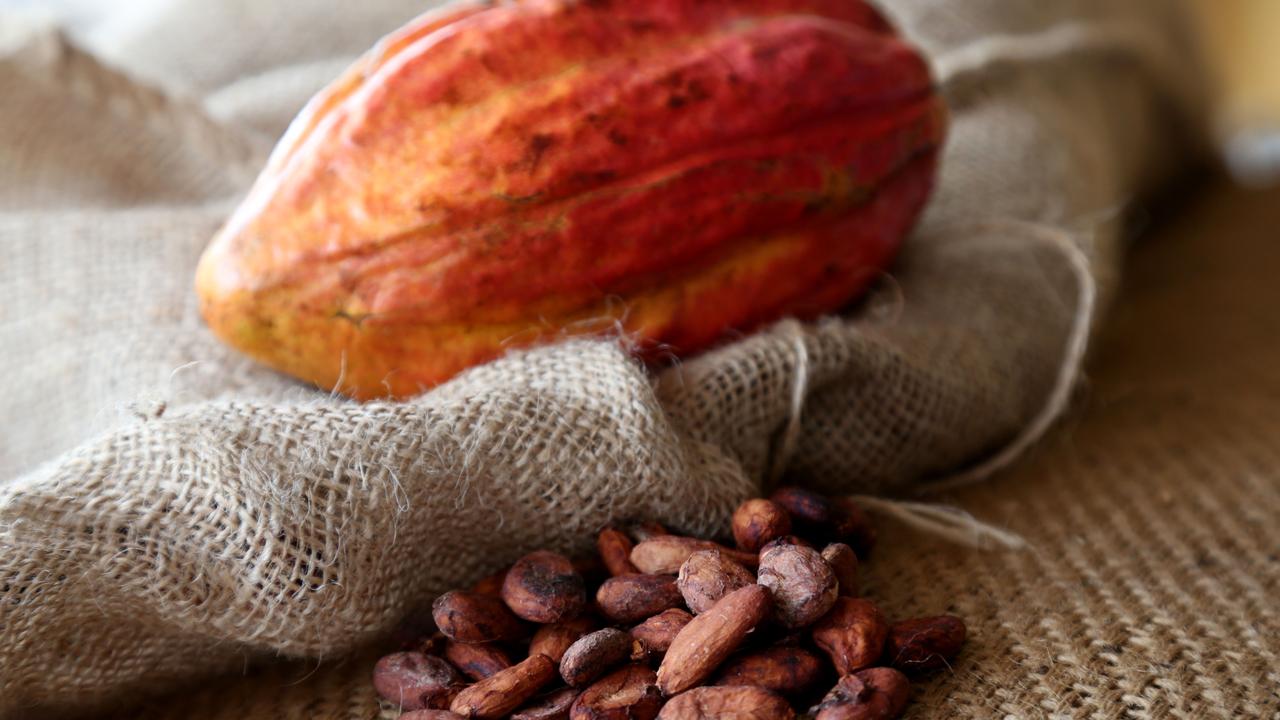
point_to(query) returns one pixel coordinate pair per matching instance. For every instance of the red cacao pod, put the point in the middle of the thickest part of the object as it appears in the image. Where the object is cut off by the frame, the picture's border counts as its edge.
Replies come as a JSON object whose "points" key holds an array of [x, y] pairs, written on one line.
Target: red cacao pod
{"points": [[494, 175]]}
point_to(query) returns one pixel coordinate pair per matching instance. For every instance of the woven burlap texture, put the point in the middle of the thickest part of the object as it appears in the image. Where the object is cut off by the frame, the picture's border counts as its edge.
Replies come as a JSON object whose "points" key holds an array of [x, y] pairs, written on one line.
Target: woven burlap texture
{"points": [[175, 510]]}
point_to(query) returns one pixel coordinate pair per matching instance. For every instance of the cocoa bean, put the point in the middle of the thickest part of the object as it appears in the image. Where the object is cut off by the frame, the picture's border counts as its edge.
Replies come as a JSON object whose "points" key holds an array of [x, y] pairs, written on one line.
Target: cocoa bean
{"points": [[594, 654], [553, 640], [787, 540], [727, 703], [413, 681], [491, 584], [476, 661], [758, 521], [710, 638], [850, 525], [615, 550], [629, 693], [552, 706], [630, 598], [543, 587], [644, 530], [708, 576], [431, 715], [811, 513], [844, 563], [503, 692], [853, 634], [789, 671], [657, 633], [803, 585], [923, 644], [872, 694], [470, 617], [664, 554]]}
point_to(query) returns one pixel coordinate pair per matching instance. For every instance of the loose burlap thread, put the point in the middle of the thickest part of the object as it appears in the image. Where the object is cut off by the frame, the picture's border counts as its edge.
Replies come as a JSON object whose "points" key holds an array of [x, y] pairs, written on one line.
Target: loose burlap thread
{"points": [[176, 511]]}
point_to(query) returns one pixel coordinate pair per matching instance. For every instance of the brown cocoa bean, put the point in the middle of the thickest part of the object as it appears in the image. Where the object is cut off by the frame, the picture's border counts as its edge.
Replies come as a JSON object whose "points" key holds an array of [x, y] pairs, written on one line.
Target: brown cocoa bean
{"points": [[491, 584], [543, 587], [470, 617], [413, 681], [708, 576], [789, 671], [553, 640], [476, 661], [727, 703], [853, 634], [873, 694], [758, 521], [629, 693], [644, 530], [552, 706], [431, 715], [664, 554], [631, 598], [595, 654], [923, 644], [503, 692], [657, 633], [710, 638], [803, 585], [850, 525], [787, 540], [811, 513], [615, 550], [844, 563]]}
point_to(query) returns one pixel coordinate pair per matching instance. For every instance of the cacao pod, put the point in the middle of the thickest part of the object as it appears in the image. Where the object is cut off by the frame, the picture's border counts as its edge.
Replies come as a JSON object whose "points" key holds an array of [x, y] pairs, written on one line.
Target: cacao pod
{"points": [[495, 175]]}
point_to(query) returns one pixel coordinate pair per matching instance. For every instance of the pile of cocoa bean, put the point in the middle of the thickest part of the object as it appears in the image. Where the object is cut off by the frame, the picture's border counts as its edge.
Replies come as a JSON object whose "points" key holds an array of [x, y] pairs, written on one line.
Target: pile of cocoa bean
{"points": [[755, 631]]}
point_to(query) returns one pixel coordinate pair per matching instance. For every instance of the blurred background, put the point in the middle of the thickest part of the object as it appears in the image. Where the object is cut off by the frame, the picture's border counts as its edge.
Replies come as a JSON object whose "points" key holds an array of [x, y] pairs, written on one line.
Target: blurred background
{"points": [[1243, 39]]}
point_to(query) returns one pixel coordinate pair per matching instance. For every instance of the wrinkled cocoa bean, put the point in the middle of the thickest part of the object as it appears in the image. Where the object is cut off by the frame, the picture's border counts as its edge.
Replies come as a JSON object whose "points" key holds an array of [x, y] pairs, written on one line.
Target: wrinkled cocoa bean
{"points": [[630, 693], [851, 526], [615, 550], [503, 692], [844, 563], [923, 644], [710, 638], [552, 706], [543, 587], [413, 681], [758, 521], [853, 634], [553, 640], [476, 661], [789, 671], [708, 576], [811, 513], [803, 585], [657, 633], [595, 654], [631, 598], [664, 554], [872, 694], [470, 617], [727, 703], [431, 715]]}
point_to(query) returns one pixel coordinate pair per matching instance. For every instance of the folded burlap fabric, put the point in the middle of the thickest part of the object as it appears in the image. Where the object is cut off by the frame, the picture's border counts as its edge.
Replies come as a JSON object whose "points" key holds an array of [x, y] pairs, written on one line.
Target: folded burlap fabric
{"points": [[171, 509]]}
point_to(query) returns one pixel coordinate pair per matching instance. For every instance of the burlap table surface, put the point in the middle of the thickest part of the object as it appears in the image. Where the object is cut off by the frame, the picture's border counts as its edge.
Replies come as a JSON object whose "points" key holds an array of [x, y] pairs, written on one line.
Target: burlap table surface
{"points": [[175, 511]]}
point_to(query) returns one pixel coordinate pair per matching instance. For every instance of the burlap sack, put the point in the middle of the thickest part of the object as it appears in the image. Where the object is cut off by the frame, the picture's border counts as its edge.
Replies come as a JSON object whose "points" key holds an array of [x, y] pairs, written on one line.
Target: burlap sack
{"points": [[194, 512]]}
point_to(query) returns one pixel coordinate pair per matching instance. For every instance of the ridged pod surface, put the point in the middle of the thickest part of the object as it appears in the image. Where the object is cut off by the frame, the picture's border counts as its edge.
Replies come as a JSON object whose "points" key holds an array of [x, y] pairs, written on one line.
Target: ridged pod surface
{"points": [[496, 175]]}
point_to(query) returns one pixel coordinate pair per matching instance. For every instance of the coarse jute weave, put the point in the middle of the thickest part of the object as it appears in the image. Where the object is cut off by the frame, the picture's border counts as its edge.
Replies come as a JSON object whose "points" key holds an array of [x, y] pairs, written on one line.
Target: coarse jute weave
{"points": [[1150, 587], [175, 511]]}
